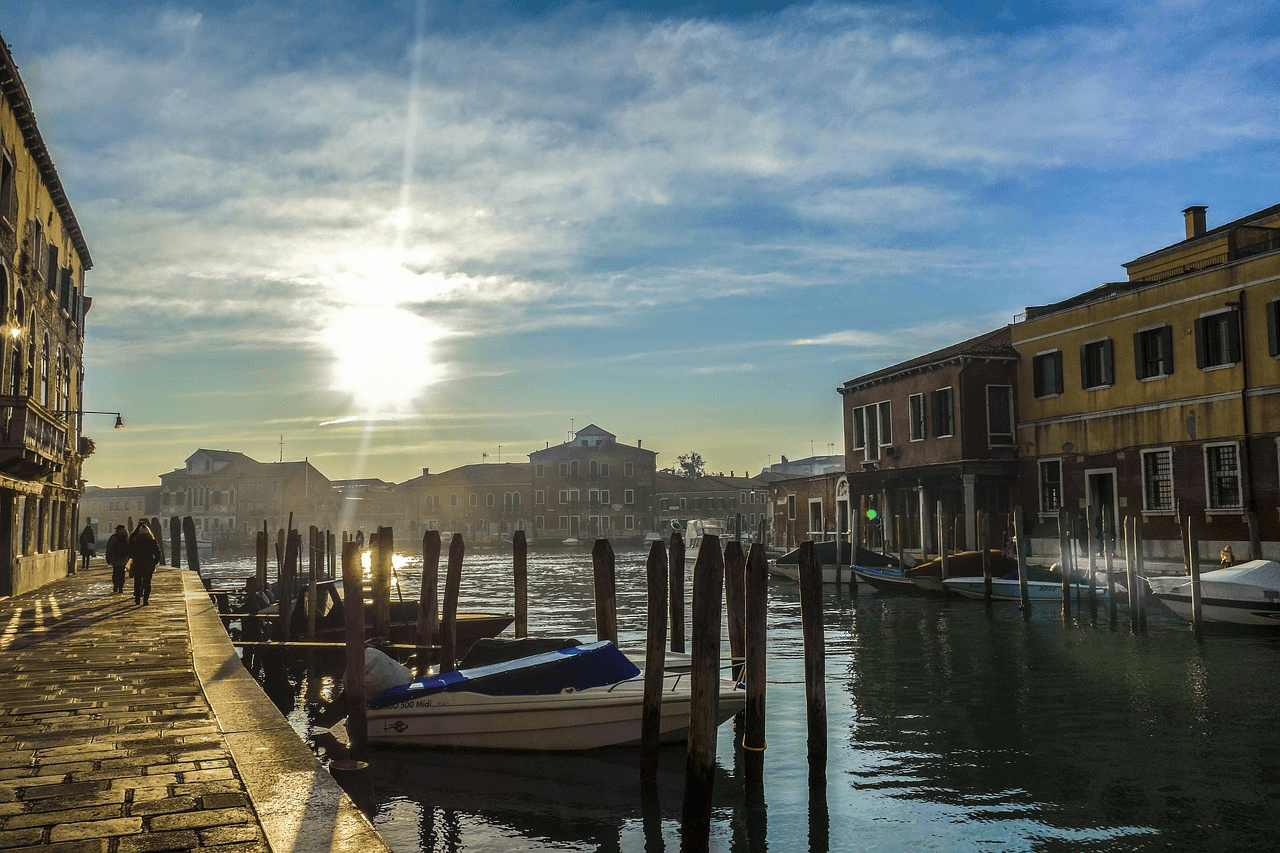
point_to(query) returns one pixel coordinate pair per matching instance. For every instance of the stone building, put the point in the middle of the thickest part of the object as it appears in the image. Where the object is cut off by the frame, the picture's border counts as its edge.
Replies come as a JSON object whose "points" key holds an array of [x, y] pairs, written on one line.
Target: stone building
{"points": [[592, 487], [485, 503], [43, 261], [102, 509], [1158, 398]]}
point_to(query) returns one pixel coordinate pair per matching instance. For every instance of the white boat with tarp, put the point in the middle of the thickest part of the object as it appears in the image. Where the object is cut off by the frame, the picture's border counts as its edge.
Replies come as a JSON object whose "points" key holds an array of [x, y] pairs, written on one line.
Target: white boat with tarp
{"points": [[572, 698], [1247, 594]]}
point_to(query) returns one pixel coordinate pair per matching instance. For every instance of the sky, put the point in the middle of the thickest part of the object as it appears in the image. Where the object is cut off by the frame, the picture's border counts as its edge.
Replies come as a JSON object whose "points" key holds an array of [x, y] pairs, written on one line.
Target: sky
{"points": [[391, 236]]}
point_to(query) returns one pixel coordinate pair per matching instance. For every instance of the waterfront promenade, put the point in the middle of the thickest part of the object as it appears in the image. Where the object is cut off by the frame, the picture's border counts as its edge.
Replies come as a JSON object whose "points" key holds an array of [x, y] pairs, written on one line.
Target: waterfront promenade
{"points": [[135, 728]]}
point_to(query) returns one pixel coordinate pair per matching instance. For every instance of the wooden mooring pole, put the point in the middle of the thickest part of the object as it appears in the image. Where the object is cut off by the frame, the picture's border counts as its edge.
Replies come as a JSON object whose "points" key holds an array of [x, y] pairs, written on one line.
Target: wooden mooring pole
{"points": [[654, 663], [449, 623], [175, 541], [429, 597], [260, 556], [353, 616], [675, 565], [1193, 566], [700, 763], [735, 565], [155, 526], [1024, 592], [602, 562], [520, 572], [380, 553], [815, 655], [189, 534], [756, 617], [1064, 557]]}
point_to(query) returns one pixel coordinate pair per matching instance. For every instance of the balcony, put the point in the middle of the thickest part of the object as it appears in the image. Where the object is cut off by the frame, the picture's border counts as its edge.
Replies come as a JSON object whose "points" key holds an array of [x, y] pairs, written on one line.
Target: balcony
{"points": [[32, 442]]}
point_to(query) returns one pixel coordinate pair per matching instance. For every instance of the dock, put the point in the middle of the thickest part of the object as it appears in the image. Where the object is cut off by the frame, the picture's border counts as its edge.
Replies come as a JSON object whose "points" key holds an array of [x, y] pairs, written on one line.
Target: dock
{"points": [[135, 727]]}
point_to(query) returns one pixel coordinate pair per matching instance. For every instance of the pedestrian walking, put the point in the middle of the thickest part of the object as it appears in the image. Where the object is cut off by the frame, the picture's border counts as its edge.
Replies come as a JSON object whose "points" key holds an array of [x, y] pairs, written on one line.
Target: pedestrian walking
{"points": [[87, 540], [118, 556], [144, 552]]}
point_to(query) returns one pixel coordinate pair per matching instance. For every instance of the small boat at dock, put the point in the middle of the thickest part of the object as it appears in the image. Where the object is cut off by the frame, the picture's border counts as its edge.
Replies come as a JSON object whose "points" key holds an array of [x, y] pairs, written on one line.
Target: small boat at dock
{"points": [[570, 699], [1247, 594], [1003, 589]]}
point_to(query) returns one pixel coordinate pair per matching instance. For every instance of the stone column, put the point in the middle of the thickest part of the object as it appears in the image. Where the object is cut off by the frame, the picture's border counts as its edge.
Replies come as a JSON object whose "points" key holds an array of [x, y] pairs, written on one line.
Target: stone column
{"points": [[970, 510]]}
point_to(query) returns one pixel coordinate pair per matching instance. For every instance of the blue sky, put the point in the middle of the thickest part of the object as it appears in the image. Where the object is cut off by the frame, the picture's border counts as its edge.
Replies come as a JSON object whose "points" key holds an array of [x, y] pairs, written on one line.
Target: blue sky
{"points": [[409, 234]]}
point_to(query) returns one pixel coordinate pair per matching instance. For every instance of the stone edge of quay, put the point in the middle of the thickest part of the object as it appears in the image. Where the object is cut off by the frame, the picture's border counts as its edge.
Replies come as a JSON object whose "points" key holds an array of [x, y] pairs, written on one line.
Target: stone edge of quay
{"points": [[300, 806]]}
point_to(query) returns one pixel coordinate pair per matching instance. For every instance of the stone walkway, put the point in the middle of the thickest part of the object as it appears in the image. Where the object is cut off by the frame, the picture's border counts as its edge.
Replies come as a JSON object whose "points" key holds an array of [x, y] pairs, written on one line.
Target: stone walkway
{"points": [[135, 728]]}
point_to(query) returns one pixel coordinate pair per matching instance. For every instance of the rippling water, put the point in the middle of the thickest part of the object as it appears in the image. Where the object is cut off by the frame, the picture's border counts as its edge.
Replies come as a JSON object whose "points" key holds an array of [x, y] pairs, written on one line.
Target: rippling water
{"points": [[952, 725]]}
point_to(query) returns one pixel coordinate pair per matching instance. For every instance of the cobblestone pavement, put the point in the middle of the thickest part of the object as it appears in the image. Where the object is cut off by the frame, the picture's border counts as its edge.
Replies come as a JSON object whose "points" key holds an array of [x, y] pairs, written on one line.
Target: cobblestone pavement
{"points": [[118, 733]]}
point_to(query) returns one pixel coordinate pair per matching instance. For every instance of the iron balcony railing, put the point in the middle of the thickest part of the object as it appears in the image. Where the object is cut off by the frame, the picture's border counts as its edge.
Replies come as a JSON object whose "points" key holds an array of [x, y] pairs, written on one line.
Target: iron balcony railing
{"points": [[32, 441]]}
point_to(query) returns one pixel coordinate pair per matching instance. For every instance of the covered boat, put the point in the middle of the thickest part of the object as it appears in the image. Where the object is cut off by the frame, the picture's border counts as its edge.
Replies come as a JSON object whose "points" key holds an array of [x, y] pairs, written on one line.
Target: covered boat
{"points": [[835, 557], [1247, 594], [574, 698]]}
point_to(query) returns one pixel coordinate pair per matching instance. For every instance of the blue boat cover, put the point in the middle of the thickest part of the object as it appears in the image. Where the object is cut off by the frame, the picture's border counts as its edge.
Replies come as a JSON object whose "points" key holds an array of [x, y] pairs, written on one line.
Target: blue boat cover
{"points": [[579, 667]]}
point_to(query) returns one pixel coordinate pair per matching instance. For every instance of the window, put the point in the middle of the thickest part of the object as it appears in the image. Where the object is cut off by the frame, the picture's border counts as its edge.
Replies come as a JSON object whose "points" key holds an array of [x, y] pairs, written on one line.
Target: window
{"points": [[604, 469], [885, 413], [1222, 472], [1218, 339], [944, 422], [1157, 480], [453, 500], [604, 524], [628, 469], [564, 497], [916, 402], [473, 500], [871, 451], [1050, 486], [574, 497], [857, 429], [538, 470], [540, 497], [490, 500], [628, 522], [628, 496], [815, 515], [791, 507], [593, 497], [564, 469], [604, 496], [999, 415], [1153, 352], [683, 504], [1046, 374], [1097, 368]]}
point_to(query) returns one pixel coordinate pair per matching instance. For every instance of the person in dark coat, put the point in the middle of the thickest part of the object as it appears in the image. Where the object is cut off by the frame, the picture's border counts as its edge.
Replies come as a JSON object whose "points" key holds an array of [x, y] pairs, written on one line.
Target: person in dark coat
{"points": [[87, 540], [144, 551], [118, 556]]}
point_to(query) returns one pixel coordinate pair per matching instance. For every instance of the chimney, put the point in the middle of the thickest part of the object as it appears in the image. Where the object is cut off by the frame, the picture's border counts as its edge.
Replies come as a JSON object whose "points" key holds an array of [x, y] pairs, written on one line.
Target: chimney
{"points": [[639, 443], [426, 471], [1195, 218]]}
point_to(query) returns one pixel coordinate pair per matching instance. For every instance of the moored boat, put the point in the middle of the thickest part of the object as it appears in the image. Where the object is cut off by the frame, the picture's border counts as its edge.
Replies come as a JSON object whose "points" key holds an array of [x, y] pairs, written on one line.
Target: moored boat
{"points": [[1247, 594], [1004, 589], [564, 700], [886, 579]]}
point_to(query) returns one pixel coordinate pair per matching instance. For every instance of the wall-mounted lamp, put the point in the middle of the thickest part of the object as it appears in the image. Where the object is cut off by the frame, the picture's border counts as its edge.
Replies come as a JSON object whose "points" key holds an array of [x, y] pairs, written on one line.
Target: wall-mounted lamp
{"points": [[119, 420]]}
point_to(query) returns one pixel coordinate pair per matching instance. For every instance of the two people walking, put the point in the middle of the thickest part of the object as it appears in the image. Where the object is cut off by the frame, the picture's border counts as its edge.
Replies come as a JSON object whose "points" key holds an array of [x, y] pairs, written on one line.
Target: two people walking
{"points": [[140, 553]]}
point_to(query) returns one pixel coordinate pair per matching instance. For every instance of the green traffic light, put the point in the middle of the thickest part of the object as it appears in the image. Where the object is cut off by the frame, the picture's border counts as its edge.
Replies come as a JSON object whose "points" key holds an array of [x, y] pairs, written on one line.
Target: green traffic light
{"points": [[871, 515]]}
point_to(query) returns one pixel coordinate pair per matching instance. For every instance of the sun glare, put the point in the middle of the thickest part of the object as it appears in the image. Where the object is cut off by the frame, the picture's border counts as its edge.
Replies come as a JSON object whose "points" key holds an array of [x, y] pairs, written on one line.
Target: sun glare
{"points": [[383, 356]]}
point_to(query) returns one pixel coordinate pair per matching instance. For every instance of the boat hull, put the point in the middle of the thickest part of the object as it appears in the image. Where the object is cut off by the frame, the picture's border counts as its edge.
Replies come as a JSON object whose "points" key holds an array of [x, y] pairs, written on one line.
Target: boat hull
{"points": [[571, 721], [1225, 611], [1008, 590], [1246, 594], [886, 579]]}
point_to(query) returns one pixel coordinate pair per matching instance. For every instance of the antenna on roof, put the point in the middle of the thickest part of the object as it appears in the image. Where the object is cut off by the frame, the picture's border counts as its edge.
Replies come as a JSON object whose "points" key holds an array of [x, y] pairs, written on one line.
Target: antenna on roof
{"points": [[282, 448]]}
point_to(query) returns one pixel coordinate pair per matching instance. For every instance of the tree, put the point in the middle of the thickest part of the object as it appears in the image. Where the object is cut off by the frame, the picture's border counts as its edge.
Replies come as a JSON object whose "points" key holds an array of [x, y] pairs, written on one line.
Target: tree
{"points": [[691, 465]]}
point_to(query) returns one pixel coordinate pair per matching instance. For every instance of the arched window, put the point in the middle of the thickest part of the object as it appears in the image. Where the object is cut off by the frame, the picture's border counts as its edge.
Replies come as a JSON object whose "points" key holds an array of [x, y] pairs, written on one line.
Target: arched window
{"points": [[490, 500]]}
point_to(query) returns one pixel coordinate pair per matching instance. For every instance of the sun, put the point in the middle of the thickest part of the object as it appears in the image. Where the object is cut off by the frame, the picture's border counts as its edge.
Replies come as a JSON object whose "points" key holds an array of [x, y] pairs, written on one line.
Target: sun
{"points": [[383, 356]]}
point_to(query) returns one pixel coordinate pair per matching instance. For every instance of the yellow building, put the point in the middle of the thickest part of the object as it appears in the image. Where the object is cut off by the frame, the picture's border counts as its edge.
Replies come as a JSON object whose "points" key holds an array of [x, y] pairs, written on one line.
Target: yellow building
{"points": [[1158, 398], [43, 259]]}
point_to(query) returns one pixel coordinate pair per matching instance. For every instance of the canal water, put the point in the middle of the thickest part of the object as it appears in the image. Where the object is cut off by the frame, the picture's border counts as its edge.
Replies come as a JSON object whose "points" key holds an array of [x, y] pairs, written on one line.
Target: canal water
{"points": [[952, 725]]}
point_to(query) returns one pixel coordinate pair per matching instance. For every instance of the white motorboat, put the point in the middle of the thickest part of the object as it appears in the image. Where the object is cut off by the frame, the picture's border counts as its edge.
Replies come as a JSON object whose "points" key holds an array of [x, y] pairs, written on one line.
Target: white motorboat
{"points": [[521, 705], [696, 529], [1008, 590], [1247, 594]]}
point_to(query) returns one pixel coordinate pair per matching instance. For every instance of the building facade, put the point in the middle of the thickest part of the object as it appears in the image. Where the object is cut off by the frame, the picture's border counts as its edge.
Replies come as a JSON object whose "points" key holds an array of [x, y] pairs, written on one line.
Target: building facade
{"points": [[593, 487], [485, 503], [102, 509], [936, 430], [1158, 398], [43, 261], [715, 498]]}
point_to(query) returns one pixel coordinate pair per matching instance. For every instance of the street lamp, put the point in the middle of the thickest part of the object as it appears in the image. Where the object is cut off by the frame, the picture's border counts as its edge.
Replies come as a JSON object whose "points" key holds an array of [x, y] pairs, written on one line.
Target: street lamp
{"points": [[119, 420]]}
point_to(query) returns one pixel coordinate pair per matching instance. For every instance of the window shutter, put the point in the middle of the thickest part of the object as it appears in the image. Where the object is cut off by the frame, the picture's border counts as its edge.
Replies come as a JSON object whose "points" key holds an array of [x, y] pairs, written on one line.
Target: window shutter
{"points": [[1084, 367], [1200, 343], [1166, 350], [1273, 333], [1108, 363], [1233, 337], [1137, 355], [1037, 377], [1056, 360]]}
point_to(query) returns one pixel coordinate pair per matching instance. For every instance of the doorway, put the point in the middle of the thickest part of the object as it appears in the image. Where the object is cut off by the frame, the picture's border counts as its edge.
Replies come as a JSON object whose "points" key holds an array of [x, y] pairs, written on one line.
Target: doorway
{"points": [[1100, 510]]}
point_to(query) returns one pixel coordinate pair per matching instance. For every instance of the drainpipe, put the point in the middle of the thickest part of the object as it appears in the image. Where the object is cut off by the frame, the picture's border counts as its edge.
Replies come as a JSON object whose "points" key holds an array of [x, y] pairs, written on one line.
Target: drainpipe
{"points": [[1246, 457]]}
